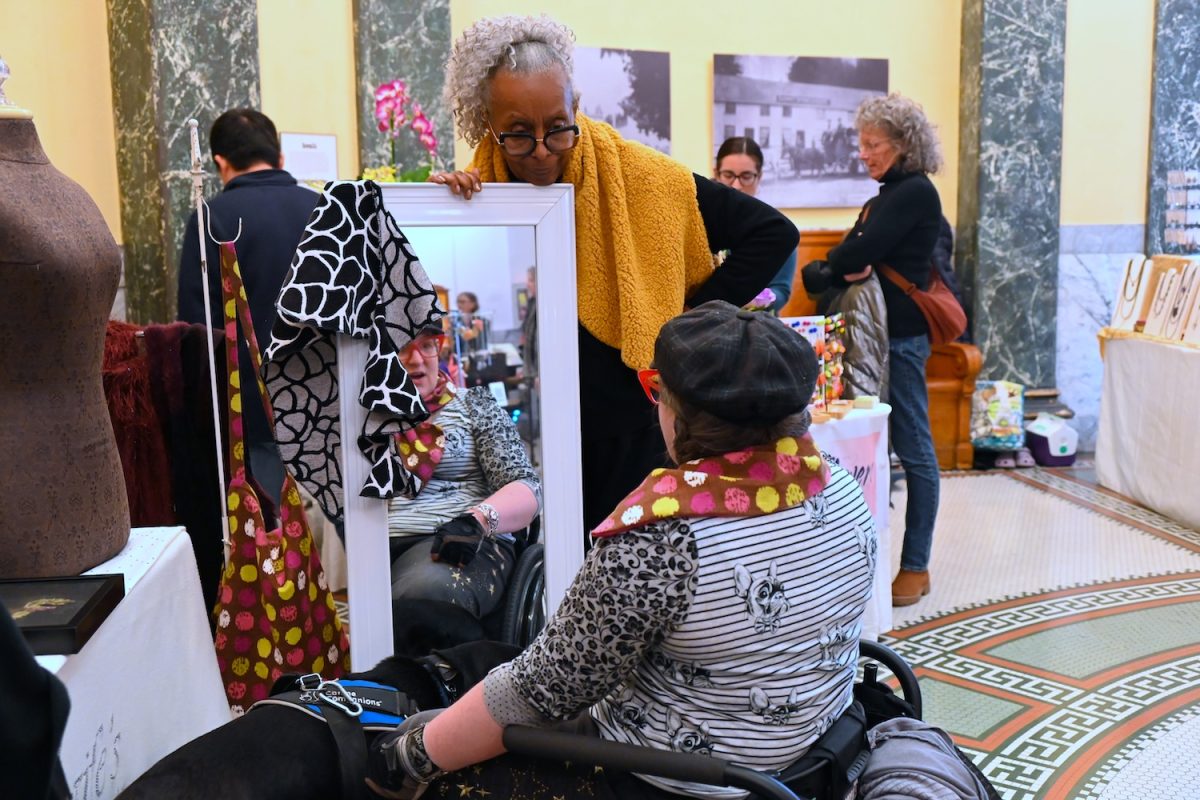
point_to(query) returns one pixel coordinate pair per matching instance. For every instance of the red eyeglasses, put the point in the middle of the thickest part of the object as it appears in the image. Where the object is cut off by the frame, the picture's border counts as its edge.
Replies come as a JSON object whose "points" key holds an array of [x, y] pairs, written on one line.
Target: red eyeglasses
{"points": [[427, 344], [651, 383]]}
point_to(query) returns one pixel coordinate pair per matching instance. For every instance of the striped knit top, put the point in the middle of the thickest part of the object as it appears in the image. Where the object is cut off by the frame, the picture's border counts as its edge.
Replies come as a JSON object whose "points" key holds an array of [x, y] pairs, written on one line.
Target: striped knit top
{"points": [[483, 452], [735, 637]]}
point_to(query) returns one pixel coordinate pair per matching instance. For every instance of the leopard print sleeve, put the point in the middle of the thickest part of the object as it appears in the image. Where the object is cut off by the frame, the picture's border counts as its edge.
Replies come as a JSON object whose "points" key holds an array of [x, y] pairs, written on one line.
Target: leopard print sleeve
{"points": [[632, 590], [499, 449]]}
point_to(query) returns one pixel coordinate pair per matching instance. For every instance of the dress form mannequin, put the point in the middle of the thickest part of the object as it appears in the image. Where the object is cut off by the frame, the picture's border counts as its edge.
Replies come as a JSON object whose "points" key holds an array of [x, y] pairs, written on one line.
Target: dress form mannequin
{"points": [[63, 507]]}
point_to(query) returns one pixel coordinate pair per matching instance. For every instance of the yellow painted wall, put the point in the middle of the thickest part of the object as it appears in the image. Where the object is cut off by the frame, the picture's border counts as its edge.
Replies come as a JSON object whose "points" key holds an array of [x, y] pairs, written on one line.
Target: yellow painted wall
{"points": [[920, 38], [58, 53], [306, 62], [1106, 112], [307, 65]]}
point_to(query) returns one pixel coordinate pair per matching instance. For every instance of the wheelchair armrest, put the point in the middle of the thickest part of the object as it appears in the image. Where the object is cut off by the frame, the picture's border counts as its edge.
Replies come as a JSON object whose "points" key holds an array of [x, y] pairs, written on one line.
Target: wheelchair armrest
{"points": [[910, 688], [559, 746]]}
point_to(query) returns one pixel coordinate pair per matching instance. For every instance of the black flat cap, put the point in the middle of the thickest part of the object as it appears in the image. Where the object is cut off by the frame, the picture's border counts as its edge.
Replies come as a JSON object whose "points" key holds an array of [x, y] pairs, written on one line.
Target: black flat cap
{"points": [[742, 366]]}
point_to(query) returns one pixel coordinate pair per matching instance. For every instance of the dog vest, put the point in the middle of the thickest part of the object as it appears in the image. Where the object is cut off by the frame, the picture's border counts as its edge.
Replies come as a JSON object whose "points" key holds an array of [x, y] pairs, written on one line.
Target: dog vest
{"points": [[350, 708]]}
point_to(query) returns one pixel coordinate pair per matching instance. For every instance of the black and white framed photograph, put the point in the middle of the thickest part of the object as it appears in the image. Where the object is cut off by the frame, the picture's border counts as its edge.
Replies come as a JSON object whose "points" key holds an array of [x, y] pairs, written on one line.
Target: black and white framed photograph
{"points": [[628, 89], [800, 111]]}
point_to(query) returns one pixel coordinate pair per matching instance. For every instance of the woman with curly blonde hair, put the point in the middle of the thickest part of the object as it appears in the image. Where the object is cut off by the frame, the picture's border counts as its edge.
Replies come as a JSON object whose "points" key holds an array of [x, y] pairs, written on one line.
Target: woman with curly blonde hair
{"points": [[899, 228], [646, 228]]}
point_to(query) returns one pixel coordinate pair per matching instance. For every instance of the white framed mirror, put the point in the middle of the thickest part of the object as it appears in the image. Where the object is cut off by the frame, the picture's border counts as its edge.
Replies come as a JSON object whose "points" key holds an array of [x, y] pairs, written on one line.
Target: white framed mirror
{"points": [[483, 245]]}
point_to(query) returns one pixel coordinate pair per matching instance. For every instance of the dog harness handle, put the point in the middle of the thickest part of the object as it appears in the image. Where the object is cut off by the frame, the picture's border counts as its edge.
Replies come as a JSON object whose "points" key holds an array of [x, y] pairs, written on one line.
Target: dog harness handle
{"points": [[351, 709]]}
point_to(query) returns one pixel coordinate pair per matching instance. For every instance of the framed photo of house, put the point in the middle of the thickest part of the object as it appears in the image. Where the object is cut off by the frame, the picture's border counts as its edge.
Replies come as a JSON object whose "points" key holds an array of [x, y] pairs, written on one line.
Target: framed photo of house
{"points": [[800, 111], [484, 245]]}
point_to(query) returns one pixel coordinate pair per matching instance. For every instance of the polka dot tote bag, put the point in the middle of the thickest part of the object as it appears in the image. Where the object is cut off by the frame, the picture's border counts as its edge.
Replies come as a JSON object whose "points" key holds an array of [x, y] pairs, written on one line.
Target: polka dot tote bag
{"points": [[274, 611]]}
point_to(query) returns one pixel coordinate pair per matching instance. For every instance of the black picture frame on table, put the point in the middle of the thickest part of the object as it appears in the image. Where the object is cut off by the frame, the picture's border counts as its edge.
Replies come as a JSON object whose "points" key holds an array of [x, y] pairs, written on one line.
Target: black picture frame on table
{"points": [[57, 616]]}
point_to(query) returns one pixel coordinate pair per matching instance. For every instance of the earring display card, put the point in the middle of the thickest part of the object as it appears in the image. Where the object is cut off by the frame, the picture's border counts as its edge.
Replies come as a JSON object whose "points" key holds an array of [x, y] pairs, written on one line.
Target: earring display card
{"points": [[813, 329], [57, 616], [1181, 226]]}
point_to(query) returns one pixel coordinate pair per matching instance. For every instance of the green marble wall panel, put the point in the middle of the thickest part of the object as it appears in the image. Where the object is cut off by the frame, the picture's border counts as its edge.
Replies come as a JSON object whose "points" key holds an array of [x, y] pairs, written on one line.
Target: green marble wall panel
{"points": [[1175, 127], [1010, 167], [409, 41], [171, 60]]}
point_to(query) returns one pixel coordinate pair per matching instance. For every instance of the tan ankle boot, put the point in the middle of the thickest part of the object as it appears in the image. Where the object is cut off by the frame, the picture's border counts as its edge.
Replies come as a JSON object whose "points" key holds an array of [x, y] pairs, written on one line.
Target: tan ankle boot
{"points": [[909, 587]]}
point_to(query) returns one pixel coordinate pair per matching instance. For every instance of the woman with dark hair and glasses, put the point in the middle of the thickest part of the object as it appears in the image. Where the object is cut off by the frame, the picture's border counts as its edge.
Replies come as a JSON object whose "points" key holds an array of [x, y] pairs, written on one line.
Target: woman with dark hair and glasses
{"points": [[645, 228], [740, 165], [718, 612], [452, 542]]}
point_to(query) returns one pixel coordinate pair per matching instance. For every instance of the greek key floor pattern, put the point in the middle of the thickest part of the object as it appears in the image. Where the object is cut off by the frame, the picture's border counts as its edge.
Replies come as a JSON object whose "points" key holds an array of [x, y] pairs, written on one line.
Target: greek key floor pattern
{"points": [[1086, 687]]}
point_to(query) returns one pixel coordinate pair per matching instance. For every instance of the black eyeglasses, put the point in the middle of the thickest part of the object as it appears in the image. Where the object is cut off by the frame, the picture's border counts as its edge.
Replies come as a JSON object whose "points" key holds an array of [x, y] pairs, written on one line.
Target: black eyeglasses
{"points": [[556, 140], [745, 178]]}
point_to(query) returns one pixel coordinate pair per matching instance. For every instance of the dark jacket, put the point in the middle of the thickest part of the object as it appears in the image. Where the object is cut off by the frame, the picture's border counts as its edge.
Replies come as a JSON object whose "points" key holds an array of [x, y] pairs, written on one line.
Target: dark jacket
{"points": [[865, 362], [943, 259], [273, 210], [897, 227], [33, 715]]}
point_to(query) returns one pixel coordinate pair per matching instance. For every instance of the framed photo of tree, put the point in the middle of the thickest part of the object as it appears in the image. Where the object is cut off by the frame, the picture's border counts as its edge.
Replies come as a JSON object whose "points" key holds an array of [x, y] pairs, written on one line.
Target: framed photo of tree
{"points": [[628, 89]]}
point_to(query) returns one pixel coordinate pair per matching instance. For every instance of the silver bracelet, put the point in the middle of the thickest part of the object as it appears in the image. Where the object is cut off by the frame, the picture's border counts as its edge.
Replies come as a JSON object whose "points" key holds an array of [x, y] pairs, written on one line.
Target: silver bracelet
{"points": [[491, 515]]}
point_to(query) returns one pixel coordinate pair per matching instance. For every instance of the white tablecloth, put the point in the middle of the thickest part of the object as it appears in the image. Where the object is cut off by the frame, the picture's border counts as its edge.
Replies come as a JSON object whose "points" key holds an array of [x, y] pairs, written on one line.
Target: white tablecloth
{"points": [[1146, 447], [147, 681], [859, 441]]}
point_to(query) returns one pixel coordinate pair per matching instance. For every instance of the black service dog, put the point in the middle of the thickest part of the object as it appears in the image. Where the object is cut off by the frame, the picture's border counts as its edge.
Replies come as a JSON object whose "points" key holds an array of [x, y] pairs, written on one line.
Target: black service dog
{"points": [[276, 752]]}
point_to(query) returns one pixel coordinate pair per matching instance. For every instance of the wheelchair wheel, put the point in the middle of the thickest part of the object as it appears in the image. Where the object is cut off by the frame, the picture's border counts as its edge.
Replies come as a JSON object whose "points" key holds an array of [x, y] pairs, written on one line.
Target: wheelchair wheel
{"points": [[524, 609]]}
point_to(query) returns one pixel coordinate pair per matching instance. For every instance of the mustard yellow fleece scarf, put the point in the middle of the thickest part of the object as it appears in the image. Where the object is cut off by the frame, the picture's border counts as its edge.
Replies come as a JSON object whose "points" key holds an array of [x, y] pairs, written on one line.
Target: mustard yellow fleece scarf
{"points": [[640, 243]]}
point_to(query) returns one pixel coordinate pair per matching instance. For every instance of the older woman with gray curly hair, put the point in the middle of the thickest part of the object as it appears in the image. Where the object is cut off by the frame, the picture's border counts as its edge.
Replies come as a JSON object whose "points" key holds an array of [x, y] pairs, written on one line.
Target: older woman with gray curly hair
{"points": [[646, 228], [899, 228]]}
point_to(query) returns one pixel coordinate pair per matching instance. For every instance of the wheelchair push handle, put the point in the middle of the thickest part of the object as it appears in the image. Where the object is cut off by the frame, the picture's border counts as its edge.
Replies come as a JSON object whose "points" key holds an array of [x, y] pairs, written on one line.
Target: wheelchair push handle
{"points": [[559, 746]]}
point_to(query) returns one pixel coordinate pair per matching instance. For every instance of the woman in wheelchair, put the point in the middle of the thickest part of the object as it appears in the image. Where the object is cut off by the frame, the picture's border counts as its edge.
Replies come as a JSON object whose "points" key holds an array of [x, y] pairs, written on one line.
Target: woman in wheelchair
{"points": [[718, 612], [452, 541]]}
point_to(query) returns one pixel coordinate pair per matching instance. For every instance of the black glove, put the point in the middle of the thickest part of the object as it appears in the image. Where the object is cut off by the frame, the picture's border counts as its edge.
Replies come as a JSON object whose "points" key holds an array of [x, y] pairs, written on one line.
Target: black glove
{"points": [[817, 277], [457, 541]]}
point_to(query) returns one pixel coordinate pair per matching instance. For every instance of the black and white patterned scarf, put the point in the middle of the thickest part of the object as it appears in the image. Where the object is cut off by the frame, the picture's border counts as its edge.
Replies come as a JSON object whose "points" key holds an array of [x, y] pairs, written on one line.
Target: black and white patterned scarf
{"points": [[354, 273]]}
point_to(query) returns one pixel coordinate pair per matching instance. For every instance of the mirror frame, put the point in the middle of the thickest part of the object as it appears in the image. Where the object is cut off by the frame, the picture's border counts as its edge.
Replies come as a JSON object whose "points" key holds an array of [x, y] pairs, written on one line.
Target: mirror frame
{"points": [[550, 210]]}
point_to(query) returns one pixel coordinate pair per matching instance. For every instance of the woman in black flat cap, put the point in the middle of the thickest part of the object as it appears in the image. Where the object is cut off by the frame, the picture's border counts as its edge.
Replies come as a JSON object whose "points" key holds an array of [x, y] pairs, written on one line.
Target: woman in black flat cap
{"points": [[719, 610]]}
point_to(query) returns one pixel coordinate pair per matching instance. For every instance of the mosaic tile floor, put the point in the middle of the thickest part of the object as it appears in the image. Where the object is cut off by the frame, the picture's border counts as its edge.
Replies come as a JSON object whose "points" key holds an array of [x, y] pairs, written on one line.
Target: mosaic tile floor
{"points": [[1061, 642]]}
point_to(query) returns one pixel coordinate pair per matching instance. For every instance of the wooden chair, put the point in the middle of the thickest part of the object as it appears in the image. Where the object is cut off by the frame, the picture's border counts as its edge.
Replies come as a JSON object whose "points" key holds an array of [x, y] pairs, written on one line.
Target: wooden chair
{"points": [[949, 374]]}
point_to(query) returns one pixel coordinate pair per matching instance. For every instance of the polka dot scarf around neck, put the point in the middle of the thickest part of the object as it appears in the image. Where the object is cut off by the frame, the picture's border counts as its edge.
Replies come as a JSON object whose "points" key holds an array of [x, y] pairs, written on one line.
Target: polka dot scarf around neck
{"points": [[744, 483], [421, 447]]}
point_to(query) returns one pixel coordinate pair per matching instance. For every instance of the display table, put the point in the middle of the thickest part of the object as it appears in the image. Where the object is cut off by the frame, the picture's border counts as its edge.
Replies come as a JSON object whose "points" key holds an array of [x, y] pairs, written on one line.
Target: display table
{"points": [[147, 681], [859, 442], [1146, 444]]}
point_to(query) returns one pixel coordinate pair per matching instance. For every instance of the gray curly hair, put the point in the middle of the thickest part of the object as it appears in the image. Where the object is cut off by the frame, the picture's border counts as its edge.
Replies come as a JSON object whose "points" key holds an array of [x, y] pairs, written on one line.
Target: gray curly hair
{"points": [[904, 122], [525, 45]]}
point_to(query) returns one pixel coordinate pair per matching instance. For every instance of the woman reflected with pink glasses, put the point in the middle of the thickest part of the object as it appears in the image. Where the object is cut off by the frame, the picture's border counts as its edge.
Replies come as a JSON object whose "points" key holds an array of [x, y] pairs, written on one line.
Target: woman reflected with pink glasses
{"points": [[452, 540]]}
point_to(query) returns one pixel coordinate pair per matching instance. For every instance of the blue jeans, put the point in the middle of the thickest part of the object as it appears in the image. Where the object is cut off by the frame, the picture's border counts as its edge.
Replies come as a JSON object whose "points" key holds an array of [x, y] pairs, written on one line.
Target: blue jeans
{"points": [[476, 587], [913, 442]]}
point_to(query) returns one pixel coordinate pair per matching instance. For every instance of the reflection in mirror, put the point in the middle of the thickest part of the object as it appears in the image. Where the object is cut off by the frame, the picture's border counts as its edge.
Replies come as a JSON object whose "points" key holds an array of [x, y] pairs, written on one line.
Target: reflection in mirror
{"points": [[486, 280], [484, 246]]}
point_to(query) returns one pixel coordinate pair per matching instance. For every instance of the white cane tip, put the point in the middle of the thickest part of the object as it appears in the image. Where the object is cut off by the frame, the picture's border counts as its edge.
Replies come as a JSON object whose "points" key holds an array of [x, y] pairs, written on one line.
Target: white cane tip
{"points": [[192, 123]]}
